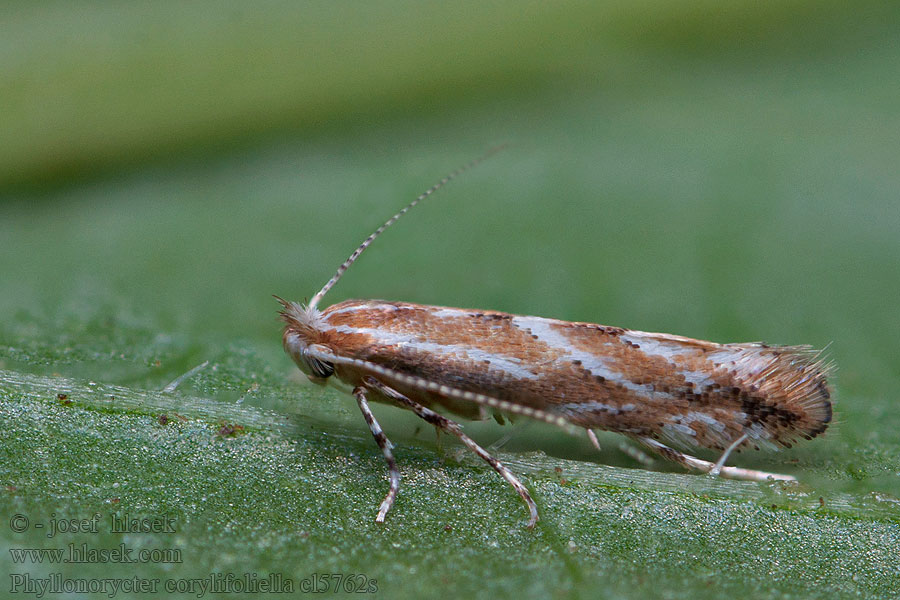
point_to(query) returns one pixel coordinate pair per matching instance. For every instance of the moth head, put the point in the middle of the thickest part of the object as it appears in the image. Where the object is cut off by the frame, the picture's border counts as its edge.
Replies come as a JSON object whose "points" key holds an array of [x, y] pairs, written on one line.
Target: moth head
{"points": [[299, 339], [315, 369]]}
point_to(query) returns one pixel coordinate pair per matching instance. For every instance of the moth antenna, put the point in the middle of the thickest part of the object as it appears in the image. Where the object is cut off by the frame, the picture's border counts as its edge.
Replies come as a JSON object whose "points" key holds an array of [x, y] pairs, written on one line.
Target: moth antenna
{"points": [[368, 241]]}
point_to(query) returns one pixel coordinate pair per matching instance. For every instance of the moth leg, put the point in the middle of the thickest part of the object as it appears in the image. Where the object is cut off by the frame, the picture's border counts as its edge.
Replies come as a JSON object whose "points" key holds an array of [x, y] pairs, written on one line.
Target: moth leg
{"points": [[505, 438], [173, 385], [438, 441], [706, 466], [451, 427], [717, 468], [625, 448], [635, 453], [593, 437], [385, 445], [501, 441]]}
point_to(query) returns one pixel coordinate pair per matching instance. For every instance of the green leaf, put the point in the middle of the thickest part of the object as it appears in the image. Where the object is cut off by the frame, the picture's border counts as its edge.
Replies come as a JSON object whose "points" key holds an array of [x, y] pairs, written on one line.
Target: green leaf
{"points": [[726, 173]]}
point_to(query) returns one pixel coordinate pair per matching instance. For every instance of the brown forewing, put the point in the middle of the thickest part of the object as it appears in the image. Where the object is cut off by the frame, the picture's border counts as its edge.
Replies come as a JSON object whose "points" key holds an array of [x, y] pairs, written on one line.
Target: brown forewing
{"points": [[657, 385]]}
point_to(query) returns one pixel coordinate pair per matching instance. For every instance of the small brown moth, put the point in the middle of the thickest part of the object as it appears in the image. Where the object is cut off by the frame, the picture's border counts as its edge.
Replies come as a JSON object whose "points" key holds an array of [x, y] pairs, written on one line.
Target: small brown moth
{"points": [[482, 363]]}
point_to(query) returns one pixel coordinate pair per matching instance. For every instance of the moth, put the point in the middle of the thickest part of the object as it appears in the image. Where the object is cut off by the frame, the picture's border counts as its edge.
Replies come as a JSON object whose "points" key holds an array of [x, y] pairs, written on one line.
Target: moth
{"points": [[661, 390]]}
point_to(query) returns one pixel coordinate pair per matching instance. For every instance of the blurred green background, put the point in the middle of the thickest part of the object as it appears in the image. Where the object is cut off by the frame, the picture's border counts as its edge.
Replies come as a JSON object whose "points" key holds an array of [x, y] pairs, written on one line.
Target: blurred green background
{"points": [[722, 171]]}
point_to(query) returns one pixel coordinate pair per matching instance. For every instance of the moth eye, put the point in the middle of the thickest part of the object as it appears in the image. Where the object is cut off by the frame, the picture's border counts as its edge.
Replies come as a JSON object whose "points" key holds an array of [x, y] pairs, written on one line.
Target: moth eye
{"points": [[320, 368]]}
